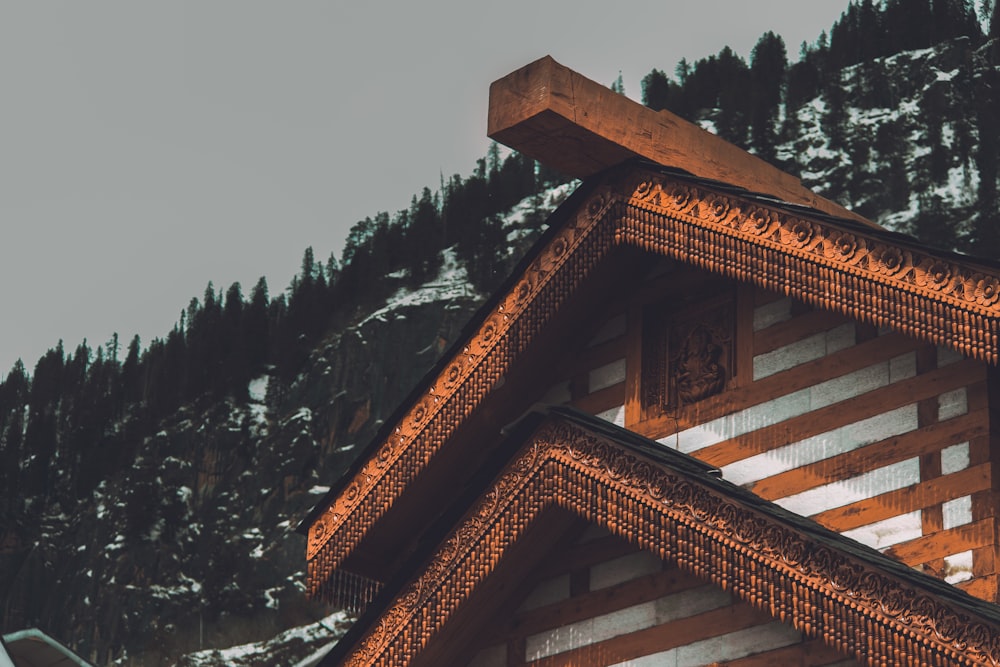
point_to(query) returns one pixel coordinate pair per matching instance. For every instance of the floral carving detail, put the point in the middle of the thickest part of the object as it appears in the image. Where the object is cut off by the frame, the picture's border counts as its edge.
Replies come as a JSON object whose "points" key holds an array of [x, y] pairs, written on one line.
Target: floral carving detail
{"points": [[984, 290], [419, 412], [644, 190], [934, 273], [680, 197], [797, 233], [718, 207], [891, 260], [560, 246], [595, 206], [453, 374], [319, 531], [845, 247], [759, 221]]}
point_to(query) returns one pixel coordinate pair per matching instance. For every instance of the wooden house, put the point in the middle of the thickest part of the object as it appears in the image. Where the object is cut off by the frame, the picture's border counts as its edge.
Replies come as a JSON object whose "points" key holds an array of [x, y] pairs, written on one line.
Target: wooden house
{"points": [[711, 419]]}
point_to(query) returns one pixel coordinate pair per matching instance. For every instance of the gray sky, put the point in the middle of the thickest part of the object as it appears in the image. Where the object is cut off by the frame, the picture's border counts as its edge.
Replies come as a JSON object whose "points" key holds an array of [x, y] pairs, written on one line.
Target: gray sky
{"points": [[147, 148]]}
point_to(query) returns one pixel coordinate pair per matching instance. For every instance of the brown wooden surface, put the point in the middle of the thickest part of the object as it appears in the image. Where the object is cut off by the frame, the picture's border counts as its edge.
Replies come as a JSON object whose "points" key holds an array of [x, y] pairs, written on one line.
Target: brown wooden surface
{"points": [[885, 452], [565, 120], [907, 499]]}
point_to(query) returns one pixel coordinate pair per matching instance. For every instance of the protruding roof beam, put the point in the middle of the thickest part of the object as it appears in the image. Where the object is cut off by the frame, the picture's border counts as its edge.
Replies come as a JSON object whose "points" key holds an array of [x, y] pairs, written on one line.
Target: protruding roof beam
{"points": [[566, 121]]}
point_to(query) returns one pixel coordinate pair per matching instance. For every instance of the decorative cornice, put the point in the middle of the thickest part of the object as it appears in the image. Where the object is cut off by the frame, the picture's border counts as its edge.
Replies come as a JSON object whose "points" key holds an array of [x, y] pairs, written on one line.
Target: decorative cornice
{"points": [[855, 272], [852, 605], [831, 265]]}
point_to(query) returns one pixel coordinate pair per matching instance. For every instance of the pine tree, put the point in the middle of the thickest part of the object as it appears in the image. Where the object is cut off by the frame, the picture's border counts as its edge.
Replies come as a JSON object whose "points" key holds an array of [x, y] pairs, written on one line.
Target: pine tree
{"points": [[657, 92], [424, 237], [768, 63], [256, 329]]}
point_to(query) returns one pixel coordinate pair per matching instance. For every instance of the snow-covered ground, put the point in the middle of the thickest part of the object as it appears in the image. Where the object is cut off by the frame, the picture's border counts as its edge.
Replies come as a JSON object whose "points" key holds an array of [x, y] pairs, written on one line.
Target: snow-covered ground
{"points": [[303, 646]]}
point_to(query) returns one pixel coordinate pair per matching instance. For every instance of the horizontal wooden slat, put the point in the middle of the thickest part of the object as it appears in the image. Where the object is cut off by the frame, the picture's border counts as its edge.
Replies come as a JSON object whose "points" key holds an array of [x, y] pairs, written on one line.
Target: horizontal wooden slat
{"points": [[944, 543], [845, 412], [812, 653], [602, 399], [780, 384], [642, 589], [984, 588], [795, 329], [661, 637], [909, 499], [892, 450], [586, 554], [590, 358]]}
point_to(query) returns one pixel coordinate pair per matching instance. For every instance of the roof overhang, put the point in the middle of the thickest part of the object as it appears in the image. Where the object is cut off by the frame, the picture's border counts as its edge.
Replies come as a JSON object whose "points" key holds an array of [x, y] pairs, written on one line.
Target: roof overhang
{"points": [[874, 276], [857, 601]]}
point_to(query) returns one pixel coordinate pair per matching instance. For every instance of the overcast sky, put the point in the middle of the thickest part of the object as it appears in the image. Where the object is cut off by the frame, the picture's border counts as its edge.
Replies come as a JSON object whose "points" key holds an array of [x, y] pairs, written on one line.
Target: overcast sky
{"points": [[148, 148]]}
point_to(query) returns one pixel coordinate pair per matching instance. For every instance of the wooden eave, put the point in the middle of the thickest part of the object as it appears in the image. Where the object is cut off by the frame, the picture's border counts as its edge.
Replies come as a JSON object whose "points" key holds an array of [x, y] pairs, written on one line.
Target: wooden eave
{"points": [[862, 604], [873, 276]]}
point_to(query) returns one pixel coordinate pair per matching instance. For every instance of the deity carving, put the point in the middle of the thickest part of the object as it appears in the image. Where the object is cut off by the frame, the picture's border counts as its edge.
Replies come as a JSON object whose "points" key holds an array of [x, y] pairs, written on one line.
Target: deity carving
{"points": [[700, 373]]}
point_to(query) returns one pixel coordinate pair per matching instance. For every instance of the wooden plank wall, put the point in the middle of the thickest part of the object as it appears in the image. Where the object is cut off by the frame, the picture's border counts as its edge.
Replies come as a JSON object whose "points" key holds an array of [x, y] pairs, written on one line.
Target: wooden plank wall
{"points": [[872, 434], [602, 602]]}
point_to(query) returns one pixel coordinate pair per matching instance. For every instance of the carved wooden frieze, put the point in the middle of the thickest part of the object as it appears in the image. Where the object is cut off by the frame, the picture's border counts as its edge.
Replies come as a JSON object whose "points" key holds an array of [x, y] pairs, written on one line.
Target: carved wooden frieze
{"points": [[851, 604], [827, 264], [466, 379], [936, 297]]}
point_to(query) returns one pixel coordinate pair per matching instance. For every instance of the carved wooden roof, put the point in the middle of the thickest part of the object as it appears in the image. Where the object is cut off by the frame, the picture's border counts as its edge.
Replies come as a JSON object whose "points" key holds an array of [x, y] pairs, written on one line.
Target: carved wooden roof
{"points": [[861, 603], [874, 276]]}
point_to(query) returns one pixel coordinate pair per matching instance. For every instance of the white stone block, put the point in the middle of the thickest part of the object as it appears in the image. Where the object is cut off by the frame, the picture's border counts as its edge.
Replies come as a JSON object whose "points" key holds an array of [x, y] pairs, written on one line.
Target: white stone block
{"points": [[559, 640], [844, 492], [738, 423], [607, 375], [772, 313], [903, 367], [952, 404], [957, 512], [947, 355], [624, 621], [789, 356], [590, 631], [615, 415], [841, 338], [625, 568], [848, 386], [954, 458], [883, 534], [776, 461], [895, 422], [613, 328], [547, 592], [690, 603], [739, 644], [821, 446], [958, 567]]}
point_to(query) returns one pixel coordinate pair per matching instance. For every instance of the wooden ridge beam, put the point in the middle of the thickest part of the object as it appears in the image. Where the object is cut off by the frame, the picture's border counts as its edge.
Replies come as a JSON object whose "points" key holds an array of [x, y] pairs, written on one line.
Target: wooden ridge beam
{"points": [[571, 123]]}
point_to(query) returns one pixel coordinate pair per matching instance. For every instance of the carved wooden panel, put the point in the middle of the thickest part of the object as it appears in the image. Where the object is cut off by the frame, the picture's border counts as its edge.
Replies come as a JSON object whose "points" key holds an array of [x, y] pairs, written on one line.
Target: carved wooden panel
{"points": [[688, 351]]}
